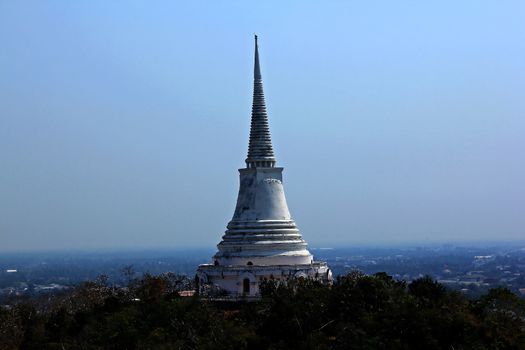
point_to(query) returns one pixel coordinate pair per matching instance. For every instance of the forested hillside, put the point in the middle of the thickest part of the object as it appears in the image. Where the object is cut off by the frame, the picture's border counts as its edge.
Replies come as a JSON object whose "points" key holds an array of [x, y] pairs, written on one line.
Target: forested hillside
{"points": [[356, 312]]}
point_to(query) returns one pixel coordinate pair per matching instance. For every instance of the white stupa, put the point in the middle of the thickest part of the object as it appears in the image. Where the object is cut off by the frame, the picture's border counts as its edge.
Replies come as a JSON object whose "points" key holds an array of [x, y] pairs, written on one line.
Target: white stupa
{"points": [[262, 240]]}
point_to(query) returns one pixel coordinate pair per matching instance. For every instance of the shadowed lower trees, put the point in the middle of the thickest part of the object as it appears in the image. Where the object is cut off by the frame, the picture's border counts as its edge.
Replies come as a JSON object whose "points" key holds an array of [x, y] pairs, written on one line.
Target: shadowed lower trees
{"points": [[356, 312]]}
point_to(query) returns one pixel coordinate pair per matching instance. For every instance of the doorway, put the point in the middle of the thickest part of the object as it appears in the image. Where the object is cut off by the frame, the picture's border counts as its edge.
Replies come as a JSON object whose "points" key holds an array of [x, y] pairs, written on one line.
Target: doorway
{"points": [[246, 286]]}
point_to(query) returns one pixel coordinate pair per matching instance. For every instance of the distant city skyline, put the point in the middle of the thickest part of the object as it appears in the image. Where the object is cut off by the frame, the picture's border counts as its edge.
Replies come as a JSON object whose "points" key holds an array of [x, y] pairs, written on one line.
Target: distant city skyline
{"points": [[122, 124]]}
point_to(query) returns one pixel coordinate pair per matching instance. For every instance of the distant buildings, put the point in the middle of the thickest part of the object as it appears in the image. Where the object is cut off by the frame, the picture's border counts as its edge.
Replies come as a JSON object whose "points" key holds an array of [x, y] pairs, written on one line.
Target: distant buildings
{"points": [[262, 240]]}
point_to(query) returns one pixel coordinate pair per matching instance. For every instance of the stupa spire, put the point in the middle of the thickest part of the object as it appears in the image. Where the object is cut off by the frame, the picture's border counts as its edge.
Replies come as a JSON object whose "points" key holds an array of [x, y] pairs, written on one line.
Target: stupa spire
{"points": [[260, 150], [262, 241]]}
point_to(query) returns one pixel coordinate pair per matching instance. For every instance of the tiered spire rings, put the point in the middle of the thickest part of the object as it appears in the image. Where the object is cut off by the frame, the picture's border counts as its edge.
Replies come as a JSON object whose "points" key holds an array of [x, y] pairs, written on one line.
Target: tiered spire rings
{"points": [[260, 150]]}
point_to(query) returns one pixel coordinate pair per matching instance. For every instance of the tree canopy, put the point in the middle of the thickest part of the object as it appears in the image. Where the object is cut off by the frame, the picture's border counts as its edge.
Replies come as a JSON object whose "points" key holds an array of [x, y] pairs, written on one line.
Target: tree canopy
{"points": [[356, 312]]}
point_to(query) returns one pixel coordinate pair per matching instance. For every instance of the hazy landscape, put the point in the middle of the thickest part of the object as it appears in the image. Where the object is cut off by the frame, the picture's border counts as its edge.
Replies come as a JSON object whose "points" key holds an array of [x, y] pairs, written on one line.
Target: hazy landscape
{"points": [[472, 268], [473, 299]]}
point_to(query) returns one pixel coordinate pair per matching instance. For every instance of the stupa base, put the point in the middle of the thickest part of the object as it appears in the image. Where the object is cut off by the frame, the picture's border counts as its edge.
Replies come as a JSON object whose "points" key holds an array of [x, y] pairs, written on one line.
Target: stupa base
{"points": [[238, 281]]}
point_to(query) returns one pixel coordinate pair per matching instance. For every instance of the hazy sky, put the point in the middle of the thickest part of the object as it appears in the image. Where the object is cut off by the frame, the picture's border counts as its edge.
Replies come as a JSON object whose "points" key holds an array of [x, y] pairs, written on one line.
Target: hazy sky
{"points": [[123, 124]]}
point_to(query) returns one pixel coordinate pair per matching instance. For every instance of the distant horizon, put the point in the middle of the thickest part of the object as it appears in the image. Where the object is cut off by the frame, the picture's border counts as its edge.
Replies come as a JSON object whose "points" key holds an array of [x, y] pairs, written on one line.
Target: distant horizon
{"points": [[312, 247]]}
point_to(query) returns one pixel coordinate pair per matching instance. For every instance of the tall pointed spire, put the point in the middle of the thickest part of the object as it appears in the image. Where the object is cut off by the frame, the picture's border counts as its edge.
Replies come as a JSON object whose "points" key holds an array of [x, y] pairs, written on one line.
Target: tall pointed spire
{"points": [[261, 240], [260, 150]]}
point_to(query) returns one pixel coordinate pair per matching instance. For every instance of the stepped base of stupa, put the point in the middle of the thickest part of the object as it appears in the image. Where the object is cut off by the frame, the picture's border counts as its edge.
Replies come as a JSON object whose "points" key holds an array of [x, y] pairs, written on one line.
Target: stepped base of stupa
{"points": [[244, 280]]}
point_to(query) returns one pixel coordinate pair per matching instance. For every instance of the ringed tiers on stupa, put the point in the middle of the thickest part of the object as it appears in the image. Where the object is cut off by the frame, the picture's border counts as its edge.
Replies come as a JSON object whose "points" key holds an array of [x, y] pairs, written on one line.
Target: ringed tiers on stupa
{"points": [[262, 241]]}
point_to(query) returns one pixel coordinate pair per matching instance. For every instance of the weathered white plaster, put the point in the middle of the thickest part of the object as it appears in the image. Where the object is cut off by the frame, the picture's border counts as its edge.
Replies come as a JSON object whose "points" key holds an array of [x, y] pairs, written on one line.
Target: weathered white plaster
{"points": [[262, 240], [261, 196]]}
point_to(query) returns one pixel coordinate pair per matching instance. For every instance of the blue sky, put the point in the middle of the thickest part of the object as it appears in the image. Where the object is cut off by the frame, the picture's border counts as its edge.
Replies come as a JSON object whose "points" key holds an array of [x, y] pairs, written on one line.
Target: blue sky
{"points": [[123, 124]]}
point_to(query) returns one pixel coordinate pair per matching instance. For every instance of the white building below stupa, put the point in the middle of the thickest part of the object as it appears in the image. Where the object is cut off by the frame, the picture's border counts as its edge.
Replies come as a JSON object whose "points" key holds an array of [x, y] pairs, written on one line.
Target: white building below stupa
{"points": [[262, 241]]}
